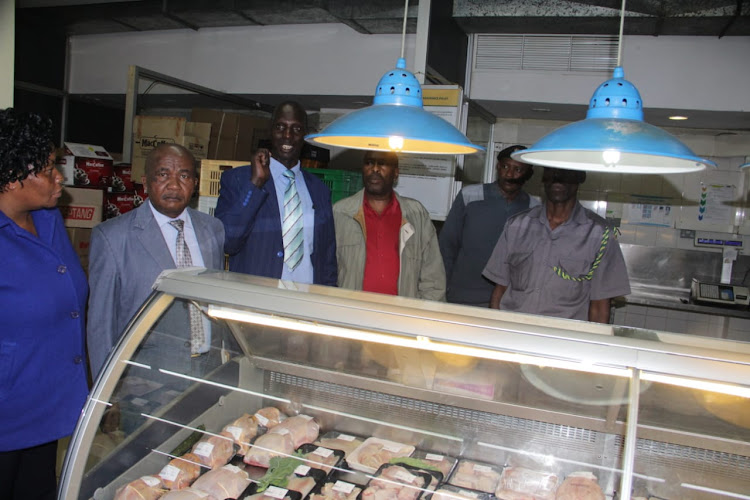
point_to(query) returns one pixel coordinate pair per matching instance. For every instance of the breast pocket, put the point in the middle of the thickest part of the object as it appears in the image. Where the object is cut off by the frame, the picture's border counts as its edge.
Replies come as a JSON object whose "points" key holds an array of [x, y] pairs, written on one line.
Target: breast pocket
{"points": [[520, 265], [576, 268]]}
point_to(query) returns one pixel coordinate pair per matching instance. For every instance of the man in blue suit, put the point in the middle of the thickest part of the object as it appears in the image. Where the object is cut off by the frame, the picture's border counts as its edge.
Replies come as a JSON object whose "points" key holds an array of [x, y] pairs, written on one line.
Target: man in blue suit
{"points": [[129, 252], [252, 207]]}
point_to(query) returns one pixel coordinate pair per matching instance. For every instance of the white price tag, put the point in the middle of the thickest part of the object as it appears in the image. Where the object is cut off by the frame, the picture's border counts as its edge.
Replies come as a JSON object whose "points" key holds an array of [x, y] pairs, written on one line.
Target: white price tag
{"points": [[204, 449], [343, 487], [393, 448], [345, 437], [323, 452], [302, 470], [235, 431], [404, 476], [275, 492], [261, 419], [151, 481], [482, 468], [434, 458], [169, 472]]}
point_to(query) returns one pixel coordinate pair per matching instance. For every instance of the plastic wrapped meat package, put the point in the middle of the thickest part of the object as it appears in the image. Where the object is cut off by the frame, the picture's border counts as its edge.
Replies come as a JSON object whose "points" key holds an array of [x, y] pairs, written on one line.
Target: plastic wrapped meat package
{"points": [[580, 486], [396, 482], [320, 457], [242, 430], [519, 483], [448, 492], [268, 446], [188, 494], [303, 429], [339, 490], [214, 451], [275, 493], [225, 482], [475, 476], [443, 463], [374, 452], [339, 441], [269, 417], [180, 472], [144, 488]]}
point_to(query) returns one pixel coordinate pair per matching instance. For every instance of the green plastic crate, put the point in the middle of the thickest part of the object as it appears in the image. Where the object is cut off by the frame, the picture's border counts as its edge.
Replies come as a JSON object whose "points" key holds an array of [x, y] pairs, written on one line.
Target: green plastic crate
{"points": [[342, 183]]}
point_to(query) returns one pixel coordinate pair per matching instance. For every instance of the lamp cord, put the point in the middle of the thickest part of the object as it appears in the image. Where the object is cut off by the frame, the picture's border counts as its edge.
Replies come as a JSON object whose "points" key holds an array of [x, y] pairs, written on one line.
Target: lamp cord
{"points": [[619, 41], [561, 272], [403, 30]]}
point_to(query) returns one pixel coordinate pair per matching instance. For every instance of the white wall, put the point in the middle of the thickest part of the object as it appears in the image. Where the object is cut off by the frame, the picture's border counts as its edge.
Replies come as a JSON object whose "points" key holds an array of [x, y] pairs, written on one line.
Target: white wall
{"points": [[705, 73], [7, 49], [326, 59]]}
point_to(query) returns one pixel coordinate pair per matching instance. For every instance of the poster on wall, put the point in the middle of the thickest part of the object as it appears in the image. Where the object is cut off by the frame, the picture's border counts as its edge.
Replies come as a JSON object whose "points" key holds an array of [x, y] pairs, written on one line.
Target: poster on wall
{"points": [[712, 200], [429, 179], [648, 211]]}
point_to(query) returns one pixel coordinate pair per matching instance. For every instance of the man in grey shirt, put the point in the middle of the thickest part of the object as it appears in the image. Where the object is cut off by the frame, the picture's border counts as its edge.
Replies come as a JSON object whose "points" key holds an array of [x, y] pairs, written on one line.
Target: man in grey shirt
{"points": [[558, 259], [474, 224]]}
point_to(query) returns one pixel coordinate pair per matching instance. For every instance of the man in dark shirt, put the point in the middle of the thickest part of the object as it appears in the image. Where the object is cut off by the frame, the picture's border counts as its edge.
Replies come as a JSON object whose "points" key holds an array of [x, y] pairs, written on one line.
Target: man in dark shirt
{"points": [[474, 224]]}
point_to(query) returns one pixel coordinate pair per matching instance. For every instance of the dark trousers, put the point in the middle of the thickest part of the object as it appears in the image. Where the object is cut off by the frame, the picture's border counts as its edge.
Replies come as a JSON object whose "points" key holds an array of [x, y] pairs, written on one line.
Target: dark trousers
{"points": [[29, 474]]}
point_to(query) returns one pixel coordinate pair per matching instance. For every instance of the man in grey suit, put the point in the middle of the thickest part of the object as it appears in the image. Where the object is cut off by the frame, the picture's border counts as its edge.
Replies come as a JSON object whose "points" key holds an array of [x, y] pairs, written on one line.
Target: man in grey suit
{"points": [[127, 254]]}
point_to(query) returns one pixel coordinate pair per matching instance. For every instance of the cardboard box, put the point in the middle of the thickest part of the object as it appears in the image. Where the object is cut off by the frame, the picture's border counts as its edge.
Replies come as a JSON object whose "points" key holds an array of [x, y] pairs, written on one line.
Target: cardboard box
{"points": [[120, 203], [80, 238], [234, 136], [197, 138], [82, 207], [122, 179], [85, 165], [149, 132]]}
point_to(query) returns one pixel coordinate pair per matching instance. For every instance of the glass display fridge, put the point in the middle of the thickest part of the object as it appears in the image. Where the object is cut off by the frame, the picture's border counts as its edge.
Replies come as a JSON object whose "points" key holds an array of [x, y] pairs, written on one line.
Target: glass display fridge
{"points": [[390, 397]]}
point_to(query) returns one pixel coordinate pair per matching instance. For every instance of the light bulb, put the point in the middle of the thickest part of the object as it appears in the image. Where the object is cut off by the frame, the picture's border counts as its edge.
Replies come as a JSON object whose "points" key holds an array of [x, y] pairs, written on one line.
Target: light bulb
{"points": [[396, 142], [611, 157]]}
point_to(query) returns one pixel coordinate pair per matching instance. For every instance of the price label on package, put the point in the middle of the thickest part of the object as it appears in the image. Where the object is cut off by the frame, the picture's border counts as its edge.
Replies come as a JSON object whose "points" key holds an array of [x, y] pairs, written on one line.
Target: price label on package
{"points": [[343, 487], [323, 452]]}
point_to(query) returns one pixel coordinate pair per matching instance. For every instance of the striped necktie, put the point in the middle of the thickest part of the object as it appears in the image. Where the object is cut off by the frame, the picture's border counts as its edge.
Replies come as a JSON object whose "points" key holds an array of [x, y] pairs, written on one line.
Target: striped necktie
{"points": [[197, 335], [291, 227]]}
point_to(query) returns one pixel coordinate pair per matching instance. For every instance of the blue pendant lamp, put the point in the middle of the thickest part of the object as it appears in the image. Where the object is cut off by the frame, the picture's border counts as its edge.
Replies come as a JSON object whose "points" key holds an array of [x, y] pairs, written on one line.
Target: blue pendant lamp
{"points": [[614, 137], [396, 121]]}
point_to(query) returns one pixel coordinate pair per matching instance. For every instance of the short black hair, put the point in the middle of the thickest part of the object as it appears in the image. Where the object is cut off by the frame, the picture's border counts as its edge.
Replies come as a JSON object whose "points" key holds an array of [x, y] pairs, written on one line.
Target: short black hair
{"points": [[156, 154], [294, 105], [505, 153], [25, 140], [388, 154]]}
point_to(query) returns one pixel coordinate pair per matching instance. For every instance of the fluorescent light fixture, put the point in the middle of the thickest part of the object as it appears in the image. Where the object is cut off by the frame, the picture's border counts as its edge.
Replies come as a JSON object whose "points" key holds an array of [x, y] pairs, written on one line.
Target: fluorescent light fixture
{"points": [[419, 342], [678, 117], [397, 120], [703, 385], [613, 137]]}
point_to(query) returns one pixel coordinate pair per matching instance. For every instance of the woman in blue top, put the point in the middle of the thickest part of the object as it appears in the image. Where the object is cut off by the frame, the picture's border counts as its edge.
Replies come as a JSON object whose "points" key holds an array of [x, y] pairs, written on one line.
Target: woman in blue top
{"points": [[43, 294]]}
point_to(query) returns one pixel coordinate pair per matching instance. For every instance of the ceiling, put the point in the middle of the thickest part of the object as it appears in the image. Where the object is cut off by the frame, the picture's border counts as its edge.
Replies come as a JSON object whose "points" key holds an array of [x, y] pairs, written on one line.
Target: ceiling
{"points": [[715, 18]]}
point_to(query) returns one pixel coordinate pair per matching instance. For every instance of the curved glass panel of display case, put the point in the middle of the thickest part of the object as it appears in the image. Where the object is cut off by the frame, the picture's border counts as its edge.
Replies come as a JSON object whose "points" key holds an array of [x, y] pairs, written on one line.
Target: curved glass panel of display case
{"points": [[497, 403]]}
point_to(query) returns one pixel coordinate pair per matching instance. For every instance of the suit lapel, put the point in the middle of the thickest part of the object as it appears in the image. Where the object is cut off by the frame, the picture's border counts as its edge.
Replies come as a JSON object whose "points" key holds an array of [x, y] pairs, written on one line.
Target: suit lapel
{"points": [[204, 236], [150, 236]]}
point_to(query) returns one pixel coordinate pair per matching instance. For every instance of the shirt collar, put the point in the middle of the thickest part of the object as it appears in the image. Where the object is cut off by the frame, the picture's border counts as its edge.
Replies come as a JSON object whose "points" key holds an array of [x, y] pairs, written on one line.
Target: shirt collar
{"points": [[577, 216], [277, 169]]}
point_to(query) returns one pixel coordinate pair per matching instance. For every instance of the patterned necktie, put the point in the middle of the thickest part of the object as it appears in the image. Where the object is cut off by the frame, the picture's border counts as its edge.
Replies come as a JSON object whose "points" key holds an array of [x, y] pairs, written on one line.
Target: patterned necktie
{"points": [[197, 335], [291, 227]]}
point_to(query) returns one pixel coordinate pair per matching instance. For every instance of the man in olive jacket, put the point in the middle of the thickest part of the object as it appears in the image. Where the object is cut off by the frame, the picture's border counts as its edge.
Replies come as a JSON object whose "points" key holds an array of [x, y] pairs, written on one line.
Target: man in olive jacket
{"points": [[386, 243]]}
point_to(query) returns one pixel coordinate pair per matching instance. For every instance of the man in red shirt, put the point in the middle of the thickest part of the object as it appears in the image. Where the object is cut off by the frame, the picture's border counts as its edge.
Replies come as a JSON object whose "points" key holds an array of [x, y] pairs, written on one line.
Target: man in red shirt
{"points": [[386, 243]]}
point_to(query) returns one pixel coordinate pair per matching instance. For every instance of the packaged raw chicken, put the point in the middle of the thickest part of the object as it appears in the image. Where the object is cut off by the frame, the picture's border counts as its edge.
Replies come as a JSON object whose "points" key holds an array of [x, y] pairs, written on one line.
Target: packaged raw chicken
{"points": [[274, 493], [243, 430], [448, 492], [320, 457], [291, 473], [519, 483], [269, 417], [268, 446], [340, 441], [214, 451], [188, 494], [180, 472], [475, 476], [396, 481], [224, 482], [443, 463], [580, 486], [144, 488], [303, 428], [339, 490], [420, 465], [374, 452]]}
